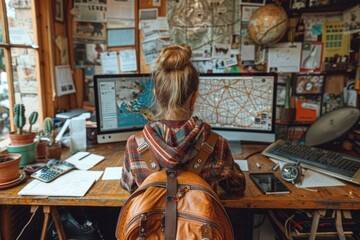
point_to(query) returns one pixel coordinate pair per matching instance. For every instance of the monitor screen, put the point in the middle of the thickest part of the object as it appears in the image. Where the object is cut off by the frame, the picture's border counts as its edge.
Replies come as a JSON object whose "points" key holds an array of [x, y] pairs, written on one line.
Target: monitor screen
{"points": [[240, 107], [124, 104]]}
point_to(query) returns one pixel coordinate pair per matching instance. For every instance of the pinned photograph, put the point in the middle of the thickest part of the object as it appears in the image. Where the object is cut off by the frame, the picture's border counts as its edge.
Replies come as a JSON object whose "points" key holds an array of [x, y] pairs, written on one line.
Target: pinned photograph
{"points": [[148, 14], [221, 50], [94, 32], [59, 10], [311, 57], [309, 84]]}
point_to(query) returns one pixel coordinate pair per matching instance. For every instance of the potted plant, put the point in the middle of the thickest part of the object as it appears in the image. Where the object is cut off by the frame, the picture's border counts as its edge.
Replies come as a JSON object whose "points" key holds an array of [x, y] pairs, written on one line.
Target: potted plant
{"points": [[53, 147], [9, 167], [23, 141], [21, 137]]}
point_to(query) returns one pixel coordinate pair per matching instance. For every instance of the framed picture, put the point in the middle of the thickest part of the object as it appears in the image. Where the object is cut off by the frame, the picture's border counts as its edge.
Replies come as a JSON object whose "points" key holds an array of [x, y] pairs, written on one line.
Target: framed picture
{"points": [[309, 84], [311, 56], [59, 10], [253, 2]]}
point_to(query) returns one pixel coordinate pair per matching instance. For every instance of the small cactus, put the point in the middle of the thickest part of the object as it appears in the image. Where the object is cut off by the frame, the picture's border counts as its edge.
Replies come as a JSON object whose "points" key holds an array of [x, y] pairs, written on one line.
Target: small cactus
{"points": [[32, 119], [19, 117], [49, 130]]}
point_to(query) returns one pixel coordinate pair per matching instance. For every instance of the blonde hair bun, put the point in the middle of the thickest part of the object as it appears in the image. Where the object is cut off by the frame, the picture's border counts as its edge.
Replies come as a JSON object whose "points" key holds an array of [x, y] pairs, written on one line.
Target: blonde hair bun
{"points": [[175, 57]]}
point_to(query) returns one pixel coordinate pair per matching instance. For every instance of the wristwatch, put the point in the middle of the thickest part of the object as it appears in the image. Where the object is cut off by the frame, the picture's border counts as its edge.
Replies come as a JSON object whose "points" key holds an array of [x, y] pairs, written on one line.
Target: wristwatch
{"points": [[291, 172]]}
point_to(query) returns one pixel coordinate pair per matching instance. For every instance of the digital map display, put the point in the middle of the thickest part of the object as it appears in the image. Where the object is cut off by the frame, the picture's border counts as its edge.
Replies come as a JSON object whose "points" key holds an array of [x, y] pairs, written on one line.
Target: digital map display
{"points": [[236, 102], [133, 106]]}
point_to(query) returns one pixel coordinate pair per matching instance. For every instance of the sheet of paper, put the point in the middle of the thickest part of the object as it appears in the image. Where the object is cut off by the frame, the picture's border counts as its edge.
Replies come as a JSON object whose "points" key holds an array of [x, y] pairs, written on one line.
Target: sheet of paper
{"points": [[64, 80], [75, 183], [85, 160], [243, 164], [120, 14], [284, 57], [109, 63], [112, 173], [128, 60], [313, 179]]}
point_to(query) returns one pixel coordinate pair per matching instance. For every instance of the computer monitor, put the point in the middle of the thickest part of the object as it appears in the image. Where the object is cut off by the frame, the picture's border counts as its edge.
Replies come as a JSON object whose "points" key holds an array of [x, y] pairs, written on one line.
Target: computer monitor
{"points": [[124, 104], [240, 107]]}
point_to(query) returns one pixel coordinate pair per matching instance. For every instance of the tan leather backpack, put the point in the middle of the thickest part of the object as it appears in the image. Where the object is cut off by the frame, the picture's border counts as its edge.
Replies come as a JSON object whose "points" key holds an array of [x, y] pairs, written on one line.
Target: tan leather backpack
{"points": [[174, 204]]}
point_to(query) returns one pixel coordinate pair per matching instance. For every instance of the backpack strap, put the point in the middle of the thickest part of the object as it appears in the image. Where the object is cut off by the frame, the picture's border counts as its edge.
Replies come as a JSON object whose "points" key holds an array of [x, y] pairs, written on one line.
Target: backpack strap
{"points": [[206, 148], [171, 205], [144, 150], [196, 165]]}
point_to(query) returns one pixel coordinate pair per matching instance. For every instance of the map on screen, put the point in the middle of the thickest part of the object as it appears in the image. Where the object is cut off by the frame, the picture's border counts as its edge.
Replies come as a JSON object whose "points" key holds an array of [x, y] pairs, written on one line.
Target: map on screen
{"points": [[236, 102], [133, 105]]}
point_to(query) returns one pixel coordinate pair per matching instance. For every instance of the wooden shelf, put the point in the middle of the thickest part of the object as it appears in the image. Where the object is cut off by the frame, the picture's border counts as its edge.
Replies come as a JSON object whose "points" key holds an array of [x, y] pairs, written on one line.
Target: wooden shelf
{"points": [[336, 7]]}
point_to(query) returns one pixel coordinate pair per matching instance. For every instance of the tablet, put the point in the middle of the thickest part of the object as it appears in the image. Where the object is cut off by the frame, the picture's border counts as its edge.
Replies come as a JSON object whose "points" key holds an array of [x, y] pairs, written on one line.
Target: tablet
{"points": [[268, 183]]}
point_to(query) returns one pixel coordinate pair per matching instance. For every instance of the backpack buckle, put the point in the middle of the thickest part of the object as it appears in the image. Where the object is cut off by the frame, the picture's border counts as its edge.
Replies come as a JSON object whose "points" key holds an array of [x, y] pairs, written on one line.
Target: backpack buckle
{"points": [[207, 147], [143, 147]]}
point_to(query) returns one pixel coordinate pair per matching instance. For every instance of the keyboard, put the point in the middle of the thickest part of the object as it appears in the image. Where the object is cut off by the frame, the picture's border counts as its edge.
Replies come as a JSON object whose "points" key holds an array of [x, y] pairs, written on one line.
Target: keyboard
{"points": [[328, 162]]}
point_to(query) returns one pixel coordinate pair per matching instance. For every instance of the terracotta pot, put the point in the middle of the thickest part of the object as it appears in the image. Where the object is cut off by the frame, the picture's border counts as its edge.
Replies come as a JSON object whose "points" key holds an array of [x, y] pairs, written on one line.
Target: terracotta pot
{"points": [[54, 151], [22, 139], [9, 167], [41, 150]]}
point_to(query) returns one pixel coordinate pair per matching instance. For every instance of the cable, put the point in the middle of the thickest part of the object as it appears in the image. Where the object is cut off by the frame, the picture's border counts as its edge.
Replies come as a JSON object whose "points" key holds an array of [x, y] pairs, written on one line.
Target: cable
{"points": [[32, 216], [252, 154]]}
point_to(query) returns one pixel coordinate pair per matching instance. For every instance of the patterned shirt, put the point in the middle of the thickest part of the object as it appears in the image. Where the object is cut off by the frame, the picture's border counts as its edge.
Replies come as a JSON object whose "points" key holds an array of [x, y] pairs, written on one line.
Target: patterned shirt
{"points": [[178, 139]]}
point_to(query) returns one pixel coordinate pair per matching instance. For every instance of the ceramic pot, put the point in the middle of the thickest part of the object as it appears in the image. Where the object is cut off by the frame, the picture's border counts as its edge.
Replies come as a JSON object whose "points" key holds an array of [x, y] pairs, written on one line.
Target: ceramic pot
{"points": [[41, 150], [22, 139], [9, 167], [54, 151], [28, 153]]}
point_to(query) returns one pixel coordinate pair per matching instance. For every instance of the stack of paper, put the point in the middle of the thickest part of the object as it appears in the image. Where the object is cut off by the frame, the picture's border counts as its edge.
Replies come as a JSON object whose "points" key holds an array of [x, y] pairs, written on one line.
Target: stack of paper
{"points": [[85, 160]]}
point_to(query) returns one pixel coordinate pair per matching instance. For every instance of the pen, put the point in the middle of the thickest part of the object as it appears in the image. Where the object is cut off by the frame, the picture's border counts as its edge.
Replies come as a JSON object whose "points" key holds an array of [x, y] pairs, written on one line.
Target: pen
{"points": [[275, 167], [84, 156], [258, 165]]}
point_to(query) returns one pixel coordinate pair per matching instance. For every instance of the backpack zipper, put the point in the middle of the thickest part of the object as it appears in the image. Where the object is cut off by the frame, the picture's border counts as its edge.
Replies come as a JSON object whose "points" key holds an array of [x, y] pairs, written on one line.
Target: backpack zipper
{"points": [[181, 215]]}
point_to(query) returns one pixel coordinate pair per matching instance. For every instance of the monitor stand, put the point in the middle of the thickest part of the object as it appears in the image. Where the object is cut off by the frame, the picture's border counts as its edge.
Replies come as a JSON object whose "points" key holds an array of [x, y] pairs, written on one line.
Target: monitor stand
{"points": [[235, 147]]}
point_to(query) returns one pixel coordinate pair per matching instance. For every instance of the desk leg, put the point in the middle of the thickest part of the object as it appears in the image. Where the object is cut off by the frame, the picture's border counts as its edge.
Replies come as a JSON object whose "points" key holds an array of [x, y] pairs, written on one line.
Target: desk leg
{"points": [[314, 225], [46, 210], [57, 222], [58, 225]]}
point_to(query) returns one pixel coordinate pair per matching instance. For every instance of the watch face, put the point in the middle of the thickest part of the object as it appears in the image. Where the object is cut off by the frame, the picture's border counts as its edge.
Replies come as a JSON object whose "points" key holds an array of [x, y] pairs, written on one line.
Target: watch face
{"points": [[290, 173]]}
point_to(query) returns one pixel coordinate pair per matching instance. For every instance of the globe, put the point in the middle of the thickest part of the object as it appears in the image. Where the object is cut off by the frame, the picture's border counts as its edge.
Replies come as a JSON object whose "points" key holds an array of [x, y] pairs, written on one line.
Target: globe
{"points": [[268, 24]]}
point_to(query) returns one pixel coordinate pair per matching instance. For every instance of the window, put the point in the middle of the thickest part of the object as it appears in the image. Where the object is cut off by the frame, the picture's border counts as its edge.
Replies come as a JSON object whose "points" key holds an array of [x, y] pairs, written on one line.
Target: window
{"points": [[19, 61]]}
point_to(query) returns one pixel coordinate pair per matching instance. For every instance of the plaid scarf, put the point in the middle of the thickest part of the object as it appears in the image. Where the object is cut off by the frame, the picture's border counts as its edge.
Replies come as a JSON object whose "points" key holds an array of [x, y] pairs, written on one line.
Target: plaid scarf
{"points": [[174, 146]]}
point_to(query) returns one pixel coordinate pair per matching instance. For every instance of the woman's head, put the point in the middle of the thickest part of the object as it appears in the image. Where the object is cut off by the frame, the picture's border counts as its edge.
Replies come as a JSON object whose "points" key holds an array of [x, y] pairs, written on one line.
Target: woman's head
{"points": [[176, 81]]}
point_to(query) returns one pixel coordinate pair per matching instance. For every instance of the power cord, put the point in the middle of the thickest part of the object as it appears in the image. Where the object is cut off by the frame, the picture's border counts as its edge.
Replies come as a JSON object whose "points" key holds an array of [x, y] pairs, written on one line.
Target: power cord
{"points": [[32, 216], [252, 154]]}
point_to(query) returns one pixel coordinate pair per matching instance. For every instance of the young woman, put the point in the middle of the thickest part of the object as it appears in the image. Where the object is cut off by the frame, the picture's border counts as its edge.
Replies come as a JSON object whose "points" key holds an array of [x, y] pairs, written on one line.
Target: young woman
{"points": [[174, 138]]}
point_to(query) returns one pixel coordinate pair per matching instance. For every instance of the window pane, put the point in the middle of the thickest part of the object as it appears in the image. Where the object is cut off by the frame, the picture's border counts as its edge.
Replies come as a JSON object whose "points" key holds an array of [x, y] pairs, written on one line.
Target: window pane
{"points": [[19, 15], [4, 100], [25, 82], [1, 29]]}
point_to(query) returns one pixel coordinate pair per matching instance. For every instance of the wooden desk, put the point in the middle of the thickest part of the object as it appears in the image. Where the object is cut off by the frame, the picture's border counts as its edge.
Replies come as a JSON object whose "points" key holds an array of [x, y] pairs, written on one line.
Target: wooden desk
{"points": [[110, 194]]}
